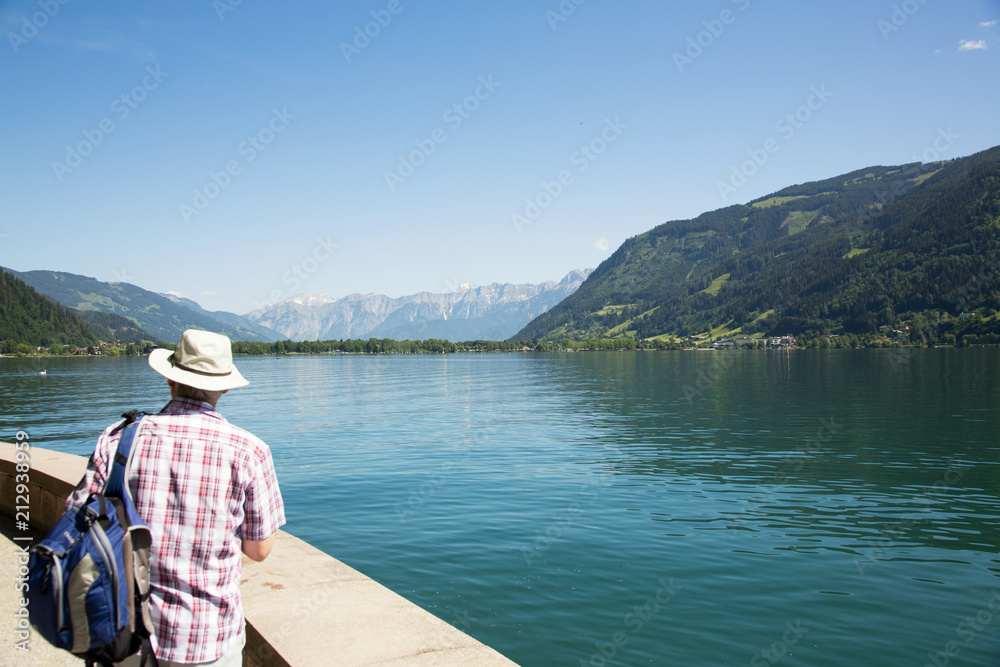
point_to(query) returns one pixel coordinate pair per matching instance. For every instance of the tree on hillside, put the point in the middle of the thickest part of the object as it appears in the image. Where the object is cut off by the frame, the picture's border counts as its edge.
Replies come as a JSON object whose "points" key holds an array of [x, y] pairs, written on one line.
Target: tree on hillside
{"points": [[30, 319]]}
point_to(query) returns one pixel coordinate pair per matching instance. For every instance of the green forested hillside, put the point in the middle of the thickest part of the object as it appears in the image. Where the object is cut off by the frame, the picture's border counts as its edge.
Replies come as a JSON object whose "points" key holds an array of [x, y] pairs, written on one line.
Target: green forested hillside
{"points": [[28, 318], [154, 313], [110, 327], [916, 244]]}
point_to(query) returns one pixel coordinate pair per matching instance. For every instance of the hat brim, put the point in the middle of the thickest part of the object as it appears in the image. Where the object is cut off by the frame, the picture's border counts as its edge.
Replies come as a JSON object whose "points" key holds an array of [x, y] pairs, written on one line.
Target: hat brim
{"points": [[158, 361]]}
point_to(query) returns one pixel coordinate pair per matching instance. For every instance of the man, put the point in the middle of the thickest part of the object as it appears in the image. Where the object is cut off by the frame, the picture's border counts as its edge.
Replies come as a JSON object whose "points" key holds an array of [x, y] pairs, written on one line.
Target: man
{"points": [[208, 491]]}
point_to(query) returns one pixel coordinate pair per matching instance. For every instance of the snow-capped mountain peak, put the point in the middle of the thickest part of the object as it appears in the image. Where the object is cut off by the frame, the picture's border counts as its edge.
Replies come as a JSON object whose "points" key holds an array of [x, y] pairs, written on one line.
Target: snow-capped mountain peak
{"points": [[492, 312]]}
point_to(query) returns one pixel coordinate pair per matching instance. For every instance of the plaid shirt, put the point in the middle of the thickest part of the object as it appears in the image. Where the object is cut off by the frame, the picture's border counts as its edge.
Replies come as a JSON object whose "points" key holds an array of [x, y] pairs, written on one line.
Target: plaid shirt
{"points": [[202, 485]]}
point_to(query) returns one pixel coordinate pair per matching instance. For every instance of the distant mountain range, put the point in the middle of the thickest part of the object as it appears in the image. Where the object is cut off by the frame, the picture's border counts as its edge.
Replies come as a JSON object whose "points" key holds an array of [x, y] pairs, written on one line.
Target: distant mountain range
{"points": [[913, 247], [868, 251], [245, 329], [161, 316], [493, 312]]}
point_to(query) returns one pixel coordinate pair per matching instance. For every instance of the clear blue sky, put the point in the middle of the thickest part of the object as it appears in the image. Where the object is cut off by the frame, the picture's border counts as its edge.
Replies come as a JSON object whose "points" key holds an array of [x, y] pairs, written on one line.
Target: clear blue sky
{"points": [[115, 113]]}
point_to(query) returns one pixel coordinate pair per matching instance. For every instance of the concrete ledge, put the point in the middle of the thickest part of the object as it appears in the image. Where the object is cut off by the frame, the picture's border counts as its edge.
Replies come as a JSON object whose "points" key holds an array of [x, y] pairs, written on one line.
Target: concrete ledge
{"points": [[302, 606], [52, 477]]}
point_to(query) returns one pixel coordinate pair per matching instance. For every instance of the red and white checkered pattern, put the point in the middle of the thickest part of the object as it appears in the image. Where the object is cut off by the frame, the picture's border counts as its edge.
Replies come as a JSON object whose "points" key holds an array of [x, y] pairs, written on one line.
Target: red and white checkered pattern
{"points": [[202, 485]]}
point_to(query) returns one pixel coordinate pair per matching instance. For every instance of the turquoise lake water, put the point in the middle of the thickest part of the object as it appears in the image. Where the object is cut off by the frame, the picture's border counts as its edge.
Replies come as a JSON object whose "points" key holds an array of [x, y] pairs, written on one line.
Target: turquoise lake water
{"points": [[811, 507]]}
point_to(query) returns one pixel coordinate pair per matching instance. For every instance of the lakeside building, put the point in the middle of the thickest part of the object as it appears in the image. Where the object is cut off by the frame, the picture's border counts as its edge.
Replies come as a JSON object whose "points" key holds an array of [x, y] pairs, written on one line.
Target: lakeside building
{"points": [[782, 341], [772, 342]]}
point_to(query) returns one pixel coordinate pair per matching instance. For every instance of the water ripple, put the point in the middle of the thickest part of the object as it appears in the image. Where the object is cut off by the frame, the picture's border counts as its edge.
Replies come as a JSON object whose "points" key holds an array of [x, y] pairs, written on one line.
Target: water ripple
{"points": [[553, 499]]}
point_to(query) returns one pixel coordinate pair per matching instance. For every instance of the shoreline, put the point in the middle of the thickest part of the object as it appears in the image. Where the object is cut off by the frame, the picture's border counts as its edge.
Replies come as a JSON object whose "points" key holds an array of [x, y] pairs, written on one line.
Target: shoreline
{"points": [[535, 351]]}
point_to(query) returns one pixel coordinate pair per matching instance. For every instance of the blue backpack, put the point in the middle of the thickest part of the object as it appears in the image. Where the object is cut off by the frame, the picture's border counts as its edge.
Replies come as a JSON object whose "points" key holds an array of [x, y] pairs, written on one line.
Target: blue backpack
{"points": [[88, 580]]}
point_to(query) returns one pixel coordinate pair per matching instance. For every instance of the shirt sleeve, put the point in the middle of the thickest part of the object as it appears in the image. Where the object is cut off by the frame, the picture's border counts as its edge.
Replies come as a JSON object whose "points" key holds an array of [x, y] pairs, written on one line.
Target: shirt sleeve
{"points": [[96, 475], [264, 509]]}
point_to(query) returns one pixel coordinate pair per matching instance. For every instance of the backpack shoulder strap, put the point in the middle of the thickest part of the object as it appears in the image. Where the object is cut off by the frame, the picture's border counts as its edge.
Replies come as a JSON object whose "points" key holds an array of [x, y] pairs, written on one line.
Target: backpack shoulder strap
{"points": [[117, 483]]}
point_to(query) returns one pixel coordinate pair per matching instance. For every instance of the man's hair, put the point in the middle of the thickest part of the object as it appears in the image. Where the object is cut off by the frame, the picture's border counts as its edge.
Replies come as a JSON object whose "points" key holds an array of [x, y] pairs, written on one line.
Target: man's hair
{"points": [[185, 391]]}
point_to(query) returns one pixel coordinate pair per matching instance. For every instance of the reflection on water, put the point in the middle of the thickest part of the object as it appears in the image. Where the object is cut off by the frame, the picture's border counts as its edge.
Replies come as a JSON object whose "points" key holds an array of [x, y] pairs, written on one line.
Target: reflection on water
{"points": [[546, 503]]}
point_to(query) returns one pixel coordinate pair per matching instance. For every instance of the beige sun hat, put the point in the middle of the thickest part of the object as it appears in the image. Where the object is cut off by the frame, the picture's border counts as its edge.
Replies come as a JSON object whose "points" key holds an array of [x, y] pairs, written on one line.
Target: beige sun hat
{"points": [[203, 360]]}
